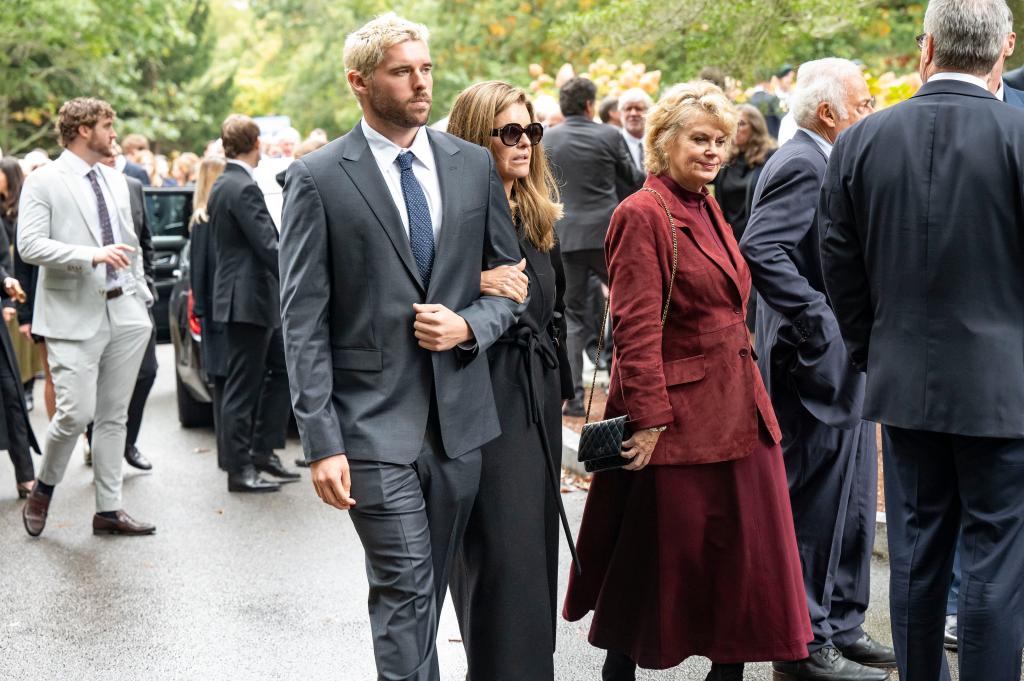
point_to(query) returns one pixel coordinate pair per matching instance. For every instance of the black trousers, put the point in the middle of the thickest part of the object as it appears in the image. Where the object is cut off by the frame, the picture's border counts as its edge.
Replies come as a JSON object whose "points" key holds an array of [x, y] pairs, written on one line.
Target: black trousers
{"points": [[578, 301], [217, 393], [933, 481], [274, 407], [16, 422], [248, 345]]}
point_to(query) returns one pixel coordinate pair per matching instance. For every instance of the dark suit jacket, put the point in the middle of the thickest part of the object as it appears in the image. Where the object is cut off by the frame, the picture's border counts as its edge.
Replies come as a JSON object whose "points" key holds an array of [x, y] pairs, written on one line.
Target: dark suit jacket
{"points": [[202, 268], [1014, 78], [922, 220], [136, 172], [798, 343], [245, 286], [141, 223], [360, 382], [587, 159], [1013, 96]]}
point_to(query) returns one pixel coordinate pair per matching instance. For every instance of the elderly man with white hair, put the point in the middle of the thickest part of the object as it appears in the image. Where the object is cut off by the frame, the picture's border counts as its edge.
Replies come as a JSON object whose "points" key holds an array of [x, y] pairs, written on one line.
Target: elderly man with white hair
{"points": [[829, 451], [633, 106]]}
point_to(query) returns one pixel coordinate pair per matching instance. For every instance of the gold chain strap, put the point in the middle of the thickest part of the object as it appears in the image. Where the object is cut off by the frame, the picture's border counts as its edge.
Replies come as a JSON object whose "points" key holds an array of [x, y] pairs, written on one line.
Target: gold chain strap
{"points": [[608, 300]]}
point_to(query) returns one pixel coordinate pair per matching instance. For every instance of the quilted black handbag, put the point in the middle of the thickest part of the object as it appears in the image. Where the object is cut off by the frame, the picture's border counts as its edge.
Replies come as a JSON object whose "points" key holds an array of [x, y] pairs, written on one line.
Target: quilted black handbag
{"points": [[601, 441]]}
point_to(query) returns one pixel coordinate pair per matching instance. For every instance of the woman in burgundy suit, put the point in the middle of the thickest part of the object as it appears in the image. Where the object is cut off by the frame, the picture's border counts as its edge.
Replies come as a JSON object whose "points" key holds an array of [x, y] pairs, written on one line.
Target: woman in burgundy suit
{"points": [[688, 550]]}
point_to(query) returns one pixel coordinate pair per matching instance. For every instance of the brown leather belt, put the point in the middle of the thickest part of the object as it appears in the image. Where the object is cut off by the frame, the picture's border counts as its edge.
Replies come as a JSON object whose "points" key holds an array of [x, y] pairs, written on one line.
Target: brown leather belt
{"points": [[115, 293]]}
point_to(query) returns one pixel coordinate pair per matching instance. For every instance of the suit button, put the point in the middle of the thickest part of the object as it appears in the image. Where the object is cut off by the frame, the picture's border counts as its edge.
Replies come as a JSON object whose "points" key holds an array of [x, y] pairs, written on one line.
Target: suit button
{"points": [[744, 352], [737, 310]]}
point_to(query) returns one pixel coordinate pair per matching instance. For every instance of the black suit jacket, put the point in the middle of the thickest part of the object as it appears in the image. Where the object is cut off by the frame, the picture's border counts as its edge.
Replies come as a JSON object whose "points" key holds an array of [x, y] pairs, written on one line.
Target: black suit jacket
{"points": [[1015, 78], [136, 172], [202, 270], [245, 285], [141, 222], [588, 159], [360, 382], [922, 220], [798, 343]]}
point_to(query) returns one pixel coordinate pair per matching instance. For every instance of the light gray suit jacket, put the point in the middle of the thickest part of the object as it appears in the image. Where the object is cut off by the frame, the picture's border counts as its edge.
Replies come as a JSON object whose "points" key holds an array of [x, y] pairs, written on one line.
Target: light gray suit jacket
{"points": [[360, 383], [59, 232]]}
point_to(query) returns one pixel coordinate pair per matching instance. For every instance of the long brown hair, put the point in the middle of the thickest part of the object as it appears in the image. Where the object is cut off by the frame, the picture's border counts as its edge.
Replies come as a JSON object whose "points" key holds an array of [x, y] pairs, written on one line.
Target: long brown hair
{"points": [[534, 200], [209, 170], [760, 144], [15, 179]]}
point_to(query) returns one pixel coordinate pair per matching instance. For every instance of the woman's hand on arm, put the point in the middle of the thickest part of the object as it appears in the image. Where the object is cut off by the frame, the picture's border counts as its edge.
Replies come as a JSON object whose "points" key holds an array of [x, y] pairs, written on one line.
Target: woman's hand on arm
{"points": [[639, 448], [508, 281]]}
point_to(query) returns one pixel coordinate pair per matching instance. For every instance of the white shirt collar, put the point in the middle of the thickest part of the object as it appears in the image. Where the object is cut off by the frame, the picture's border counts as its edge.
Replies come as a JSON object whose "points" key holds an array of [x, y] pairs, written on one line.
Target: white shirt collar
{"points": [[77, 163], [825, 145], [962, 77], [382, 147], [245, 166], [630, 138], [1001, 92]]}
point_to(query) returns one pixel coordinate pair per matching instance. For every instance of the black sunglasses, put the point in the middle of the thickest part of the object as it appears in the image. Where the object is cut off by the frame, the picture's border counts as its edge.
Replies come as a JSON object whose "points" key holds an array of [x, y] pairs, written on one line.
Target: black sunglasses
{"points": [[511, 134]]}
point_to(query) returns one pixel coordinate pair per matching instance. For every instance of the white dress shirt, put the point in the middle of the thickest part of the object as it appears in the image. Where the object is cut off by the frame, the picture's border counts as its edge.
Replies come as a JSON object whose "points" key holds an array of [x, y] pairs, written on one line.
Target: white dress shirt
{"points": [[81, 170], [962, 77], [635, 146], [424, 167], [825, 145], [243, 165]]}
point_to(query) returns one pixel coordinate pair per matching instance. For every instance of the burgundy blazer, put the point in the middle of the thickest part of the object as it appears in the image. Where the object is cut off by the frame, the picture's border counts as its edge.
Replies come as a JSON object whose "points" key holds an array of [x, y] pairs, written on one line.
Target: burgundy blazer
{"points": [[697, 375]]}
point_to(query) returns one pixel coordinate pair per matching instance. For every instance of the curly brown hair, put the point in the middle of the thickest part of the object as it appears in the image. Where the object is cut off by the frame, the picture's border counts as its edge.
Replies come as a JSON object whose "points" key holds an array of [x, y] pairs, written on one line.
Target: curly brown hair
{"points": [[74, 113]]}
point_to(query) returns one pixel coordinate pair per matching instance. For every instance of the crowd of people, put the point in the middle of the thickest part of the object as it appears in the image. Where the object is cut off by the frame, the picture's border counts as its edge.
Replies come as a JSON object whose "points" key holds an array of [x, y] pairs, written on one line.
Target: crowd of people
{"points": [[425, 300]]}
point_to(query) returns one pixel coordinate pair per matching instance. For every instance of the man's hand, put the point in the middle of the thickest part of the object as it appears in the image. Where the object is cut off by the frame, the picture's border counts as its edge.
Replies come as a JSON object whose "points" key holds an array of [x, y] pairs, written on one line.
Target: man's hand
{"points": [[438, 329], [114, 255], [508, 281], [13, 289], [639, 448], [26, 330], [332, 481]]}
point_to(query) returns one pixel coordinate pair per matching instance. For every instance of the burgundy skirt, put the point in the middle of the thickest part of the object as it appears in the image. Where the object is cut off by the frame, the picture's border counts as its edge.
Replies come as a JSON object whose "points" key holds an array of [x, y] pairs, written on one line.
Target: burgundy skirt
{"points": [[693, 560]]}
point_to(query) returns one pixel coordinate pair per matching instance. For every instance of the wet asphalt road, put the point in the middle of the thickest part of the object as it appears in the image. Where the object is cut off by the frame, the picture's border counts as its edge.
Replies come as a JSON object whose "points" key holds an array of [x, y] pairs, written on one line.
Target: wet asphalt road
{"points": [[231, 587]]}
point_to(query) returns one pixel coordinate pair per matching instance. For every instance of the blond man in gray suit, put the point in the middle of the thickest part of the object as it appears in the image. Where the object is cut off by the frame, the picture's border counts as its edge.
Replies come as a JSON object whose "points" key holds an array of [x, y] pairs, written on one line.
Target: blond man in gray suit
{"points": [[91, 306]]}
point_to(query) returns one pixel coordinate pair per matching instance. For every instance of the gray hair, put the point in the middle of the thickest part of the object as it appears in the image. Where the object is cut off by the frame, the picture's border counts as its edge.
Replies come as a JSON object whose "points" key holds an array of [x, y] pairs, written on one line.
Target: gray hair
{"points": [[635, 96], [822, 80], [968, 35]]}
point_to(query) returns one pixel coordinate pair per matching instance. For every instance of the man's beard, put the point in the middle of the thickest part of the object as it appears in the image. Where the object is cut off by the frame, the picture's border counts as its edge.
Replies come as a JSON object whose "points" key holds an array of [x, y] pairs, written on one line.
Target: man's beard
{"points": [[397, 113], [100, 146]]}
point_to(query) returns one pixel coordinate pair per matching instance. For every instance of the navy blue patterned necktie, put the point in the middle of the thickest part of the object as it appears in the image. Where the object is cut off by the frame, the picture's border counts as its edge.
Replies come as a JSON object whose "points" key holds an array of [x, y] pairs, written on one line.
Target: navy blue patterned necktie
{"points": [[421, 230], [106, 230]]}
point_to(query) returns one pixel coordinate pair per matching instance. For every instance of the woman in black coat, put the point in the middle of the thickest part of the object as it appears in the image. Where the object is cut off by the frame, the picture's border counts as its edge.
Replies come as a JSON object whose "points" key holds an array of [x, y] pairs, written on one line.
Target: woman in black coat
{"points": [[505, 578], [202, 266]]}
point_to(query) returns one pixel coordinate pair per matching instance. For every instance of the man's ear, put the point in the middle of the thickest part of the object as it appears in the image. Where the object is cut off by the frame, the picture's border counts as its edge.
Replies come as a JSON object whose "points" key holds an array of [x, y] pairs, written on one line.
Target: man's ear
{"points": [[1011, 42], [827, 115], [356, 81]]}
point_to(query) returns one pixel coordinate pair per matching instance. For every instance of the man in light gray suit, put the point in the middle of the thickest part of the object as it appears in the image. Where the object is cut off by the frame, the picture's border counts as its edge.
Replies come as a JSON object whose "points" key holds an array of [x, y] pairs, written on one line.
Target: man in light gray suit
{"points": [[385, 232], [91, 306]]}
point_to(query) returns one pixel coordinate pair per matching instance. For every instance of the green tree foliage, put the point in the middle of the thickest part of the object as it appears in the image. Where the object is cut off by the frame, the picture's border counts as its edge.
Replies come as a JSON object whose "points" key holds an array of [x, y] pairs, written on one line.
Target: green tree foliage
{"points": [[148, 58]]}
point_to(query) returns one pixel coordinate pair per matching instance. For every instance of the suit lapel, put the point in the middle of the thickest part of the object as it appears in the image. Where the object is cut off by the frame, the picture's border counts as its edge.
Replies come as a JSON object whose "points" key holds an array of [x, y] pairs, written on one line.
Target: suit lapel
{"points": [[74, 186], [359, 164], [448, 162]]}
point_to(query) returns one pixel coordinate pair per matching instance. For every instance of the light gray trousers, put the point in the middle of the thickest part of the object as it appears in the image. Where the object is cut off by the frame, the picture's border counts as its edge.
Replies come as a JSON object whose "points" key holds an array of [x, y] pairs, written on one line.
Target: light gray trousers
{"points": [[94, 379]]}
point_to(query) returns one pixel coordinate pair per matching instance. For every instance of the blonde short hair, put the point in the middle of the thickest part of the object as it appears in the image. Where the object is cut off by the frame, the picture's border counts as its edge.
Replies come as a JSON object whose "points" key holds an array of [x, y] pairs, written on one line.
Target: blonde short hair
{"points": [[365, 47], [678, 109]]}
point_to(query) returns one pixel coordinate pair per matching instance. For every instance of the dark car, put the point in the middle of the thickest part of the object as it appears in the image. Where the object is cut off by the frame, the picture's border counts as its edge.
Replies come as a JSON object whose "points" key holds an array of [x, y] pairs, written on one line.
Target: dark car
{"points": [[195, 401], [168, 210]]}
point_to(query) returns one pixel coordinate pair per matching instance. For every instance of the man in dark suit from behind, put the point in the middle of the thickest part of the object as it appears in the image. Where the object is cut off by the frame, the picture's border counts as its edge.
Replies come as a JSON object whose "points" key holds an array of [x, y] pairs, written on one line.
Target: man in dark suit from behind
{"points": [[247, 301], [829, 450], [588, 159], [922, 245], [125, 154]]}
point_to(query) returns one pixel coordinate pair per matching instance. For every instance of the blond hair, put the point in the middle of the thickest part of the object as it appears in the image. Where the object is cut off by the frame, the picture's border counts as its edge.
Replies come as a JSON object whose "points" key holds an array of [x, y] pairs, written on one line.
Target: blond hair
{"points": [[679, 108], [365, 47], [209, 170], [534, 200]]}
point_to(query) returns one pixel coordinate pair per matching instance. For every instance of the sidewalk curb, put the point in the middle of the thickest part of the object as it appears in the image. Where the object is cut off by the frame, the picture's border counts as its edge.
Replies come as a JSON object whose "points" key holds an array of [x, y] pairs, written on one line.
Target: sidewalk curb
{"points": [[571, 444]]}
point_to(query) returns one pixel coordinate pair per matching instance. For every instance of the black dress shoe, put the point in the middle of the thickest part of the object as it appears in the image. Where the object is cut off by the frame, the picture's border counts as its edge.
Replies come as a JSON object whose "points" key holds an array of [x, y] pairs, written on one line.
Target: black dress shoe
{"points": [[271, 465], [870, 653], [826, 664], [725, 672], [248, 480], [618, 667], [574, 407], [135, 459], [949, 633]]}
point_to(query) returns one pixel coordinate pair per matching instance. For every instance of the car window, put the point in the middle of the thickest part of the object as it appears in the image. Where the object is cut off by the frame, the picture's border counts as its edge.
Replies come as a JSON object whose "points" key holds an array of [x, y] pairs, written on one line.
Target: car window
{"points": [[169, 212]]}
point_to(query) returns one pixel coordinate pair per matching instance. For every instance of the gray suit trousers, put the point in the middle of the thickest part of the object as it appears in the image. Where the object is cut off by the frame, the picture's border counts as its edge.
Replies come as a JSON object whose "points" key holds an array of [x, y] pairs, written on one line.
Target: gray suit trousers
{"points": [[411, 519]]}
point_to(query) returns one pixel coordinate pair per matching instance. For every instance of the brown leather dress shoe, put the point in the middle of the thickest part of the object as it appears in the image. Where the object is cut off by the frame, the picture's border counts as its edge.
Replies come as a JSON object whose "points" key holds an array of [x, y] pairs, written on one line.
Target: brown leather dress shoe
{"points": [[33, 513], [123, 524]]}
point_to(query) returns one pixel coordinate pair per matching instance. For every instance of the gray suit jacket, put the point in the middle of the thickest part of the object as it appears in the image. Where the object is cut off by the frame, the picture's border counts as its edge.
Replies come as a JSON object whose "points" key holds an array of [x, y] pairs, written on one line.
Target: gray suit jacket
{"points": [[360, 383], [593, 166], [58, 231], [798, 343]]}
